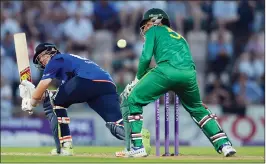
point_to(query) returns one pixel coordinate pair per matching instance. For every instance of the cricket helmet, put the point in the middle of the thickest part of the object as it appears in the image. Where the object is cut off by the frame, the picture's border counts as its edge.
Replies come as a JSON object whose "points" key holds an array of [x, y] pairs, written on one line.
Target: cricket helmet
{"points": [[41, 49], [157, 16]]}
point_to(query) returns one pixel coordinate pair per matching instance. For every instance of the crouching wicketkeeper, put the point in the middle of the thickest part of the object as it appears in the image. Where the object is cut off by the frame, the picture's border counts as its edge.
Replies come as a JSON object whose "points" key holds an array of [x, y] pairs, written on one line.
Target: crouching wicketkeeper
{"points": [[175, 71]]}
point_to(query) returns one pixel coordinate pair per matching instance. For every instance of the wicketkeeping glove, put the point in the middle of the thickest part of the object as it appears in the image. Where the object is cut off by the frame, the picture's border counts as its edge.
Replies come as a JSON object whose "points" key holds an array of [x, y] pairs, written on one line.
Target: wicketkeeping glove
{"points": [[129, 87]]}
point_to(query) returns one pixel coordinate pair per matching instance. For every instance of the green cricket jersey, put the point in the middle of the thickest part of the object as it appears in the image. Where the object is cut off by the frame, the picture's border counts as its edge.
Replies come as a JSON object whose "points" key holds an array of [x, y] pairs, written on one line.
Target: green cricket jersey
{"points": [[166, 45]]}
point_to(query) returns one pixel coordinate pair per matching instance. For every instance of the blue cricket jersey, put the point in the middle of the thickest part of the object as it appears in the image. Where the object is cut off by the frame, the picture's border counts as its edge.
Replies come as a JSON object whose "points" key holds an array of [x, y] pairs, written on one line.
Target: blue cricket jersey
{"points": [[66, 66]]}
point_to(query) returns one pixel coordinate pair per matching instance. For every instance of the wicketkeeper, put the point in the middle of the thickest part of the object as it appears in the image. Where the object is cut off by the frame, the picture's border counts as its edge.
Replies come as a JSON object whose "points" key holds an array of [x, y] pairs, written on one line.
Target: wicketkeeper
{"points": [[175, 71], [82, 81]]}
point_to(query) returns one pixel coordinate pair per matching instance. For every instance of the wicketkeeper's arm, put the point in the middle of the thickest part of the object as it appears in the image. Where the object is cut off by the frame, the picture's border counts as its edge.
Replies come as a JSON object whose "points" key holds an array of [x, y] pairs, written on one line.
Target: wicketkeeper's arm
{"points": [[147, 53]]}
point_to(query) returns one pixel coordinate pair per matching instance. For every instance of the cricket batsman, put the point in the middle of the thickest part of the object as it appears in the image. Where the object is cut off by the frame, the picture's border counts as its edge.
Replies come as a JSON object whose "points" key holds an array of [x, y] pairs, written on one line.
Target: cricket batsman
{"points": [[175, 71], [82, 81]]}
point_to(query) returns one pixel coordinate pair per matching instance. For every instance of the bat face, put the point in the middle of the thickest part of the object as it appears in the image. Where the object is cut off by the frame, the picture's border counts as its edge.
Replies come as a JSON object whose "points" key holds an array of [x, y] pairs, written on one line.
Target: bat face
{"points": [[22, 56]]}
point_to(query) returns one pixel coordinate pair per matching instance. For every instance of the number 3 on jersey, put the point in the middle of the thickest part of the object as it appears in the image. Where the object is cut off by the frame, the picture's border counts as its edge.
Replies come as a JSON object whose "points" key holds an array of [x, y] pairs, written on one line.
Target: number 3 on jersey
{"points": [[174, 34]]}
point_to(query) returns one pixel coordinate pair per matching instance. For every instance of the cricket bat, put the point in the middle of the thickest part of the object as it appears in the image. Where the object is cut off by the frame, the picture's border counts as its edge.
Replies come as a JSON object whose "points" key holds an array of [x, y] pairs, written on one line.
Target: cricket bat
{"points": [[22, 56]]}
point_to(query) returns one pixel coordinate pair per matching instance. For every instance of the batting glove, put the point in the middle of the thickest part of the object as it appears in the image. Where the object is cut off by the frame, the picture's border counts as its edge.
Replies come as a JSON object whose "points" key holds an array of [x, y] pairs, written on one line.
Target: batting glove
{"points": [[26, 105], [26, 89]]}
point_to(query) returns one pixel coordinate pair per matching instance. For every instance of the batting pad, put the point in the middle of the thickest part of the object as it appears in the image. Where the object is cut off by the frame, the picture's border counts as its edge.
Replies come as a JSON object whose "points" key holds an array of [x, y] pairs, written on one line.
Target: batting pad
{"points": [[63, 121]]}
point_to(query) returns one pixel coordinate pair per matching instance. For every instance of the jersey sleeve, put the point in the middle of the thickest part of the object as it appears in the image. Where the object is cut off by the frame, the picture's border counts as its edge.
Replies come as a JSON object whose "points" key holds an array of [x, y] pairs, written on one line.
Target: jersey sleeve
{"points": [[147, 53], [52, 68]]}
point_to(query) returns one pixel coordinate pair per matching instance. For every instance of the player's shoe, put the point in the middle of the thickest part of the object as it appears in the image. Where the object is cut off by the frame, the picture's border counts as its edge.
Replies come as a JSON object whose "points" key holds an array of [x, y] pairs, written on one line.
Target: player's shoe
{"points": [[134, 152], [146, 140], [66, 150], [228, 150], [137, 152]]}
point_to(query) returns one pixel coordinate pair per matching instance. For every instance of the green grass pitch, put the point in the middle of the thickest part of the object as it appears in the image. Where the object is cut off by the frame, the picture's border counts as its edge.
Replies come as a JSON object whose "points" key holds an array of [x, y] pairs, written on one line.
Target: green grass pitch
{"points": [[106, 155]]}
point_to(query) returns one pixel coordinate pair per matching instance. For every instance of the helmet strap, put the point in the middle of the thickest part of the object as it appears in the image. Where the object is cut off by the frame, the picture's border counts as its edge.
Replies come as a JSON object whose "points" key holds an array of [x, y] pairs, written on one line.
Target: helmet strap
{"points": [[142, 30]]}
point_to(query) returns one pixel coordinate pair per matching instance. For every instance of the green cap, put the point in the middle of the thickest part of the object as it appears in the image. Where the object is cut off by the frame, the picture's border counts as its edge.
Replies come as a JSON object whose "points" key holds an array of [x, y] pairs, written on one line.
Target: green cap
{"points": [[155, 13]]}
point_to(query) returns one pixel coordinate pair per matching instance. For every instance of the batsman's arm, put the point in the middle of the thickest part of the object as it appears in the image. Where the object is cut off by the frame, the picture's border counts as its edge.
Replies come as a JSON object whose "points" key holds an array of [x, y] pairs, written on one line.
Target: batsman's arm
{"points": [[49, 73], [39, 91], [147, 53]]}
